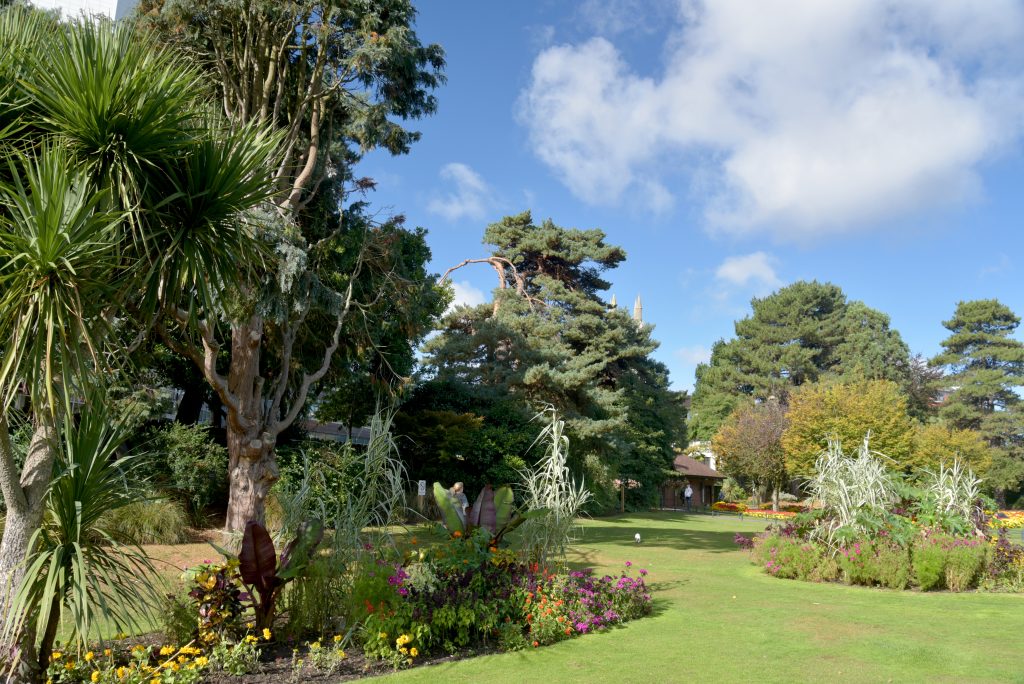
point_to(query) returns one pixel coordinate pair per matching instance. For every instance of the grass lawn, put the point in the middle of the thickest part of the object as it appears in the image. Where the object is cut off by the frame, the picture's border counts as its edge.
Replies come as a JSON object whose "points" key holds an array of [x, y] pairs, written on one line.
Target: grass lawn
{"points": [[717, 617]]}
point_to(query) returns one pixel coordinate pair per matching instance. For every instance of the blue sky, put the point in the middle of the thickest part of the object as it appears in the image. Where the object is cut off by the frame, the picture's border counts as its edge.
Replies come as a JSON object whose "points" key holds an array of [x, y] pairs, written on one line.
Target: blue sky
{"points": [[732, 148]]}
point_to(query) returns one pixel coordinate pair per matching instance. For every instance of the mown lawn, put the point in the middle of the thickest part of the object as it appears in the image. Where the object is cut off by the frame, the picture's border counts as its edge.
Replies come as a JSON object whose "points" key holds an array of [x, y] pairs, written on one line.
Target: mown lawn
{"points": [[719, 618]]}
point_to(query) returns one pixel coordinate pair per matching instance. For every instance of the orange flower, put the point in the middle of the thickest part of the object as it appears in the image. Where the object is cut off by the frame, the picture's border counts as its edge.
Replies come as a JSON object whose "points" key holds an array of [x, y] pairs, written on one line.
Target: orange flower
{"points": [[568, 630], [414, 540], [457, 533], [536, 644]]}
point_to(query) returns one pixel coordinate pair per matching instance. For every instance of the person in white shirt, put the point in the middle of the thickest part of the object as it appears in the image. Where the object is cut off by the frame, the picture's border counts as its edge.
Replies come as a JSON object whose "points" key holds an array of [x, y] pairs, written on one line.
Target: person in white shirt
{"points": [[688, 497]]}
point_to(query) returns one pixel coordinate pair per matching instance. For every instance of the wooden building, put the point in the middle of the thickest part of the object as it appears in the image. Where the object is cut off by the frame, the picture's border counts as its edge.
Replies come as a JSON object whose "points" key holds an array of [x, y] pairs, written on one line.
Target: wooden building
{"points": [[705, 481]]}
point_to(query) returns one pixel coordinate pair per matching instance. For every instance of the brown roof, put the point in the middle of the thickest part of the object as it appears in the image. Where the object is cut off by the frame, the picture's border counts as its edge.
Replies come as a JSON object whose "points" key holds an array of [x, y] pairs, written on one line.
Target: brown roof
{"points": [[684, 465]]}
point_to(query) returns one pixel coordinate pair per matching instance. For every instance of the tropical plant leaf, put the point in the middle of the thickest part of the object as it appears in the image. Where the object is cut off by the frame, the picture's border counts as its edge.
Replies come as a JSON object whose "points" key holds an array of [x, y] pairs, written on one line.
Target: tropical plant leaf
{"points": [[450, 518], [257, 559]]}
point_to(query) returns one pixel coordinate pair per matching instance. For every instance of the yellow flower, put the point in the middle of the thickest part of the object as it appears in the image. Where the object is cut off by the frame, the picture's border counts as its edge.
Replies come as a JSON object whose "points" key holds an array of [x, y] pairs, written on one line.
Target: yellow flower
{"points": [[337, 638], [413, 652], [89, 656], [340, 653], [250, 639], [315, 646], [56, 655], [107, 652], [382, 635], [95, 676], [202, 661], [182, 659], [70, 665], [121, 671], [250, 625], [403, 650], [154, 680], [166, 650], [266, 634]]}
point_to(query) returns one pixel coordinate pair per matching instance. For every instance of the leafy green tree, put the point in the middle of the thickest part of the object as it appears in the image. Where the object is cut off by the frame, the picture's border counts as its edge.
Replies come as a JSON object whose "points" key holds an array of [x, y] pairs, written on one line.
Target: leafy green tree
{"points": [[749, 445], [343, 296], [548, 339], [985, 366], [799, 334], [846, 411], [120, 197]]}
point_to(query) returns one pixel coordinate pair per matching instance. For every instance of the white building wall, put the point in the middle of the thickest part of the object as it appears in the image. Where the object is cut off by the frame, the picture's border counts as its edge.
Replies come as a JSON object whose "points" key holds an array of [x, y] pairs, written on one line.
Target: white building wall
{"points": [[114, 9]]}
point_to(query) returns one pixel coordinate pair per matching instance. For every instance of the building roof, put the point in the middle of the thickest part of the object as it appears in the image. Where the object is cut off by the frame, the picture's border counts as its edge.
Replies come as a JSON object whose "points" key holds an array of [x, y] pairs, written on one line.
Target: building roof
{"points": [[684, 465]]}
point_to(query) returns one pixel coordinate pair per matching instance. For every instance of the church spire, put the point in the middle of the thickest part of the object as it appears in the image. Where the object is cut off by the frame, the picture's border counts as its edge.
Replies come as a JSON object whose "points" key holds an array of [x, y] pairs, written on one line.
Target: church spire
{"points": [[614, 303], [638, 310]]}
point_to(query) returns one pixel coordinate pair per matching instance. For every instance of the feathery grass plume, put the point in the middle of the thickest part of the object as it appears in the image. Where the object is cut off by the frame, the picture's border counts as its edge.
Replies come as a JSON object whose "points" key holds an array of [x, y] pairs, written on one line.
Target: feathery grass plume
{"points": [[550, 485]]}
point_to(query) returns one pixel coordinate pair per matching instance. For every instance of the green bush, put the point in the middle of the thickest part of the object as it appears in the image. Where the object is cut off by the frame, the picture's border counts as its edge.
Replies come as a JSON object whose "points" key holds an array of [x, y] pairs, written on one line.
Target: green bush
{"points": [[858, 563], [158, 521], [892, 565], [178, 617], [789, 557], [929, 561], [964, 560], [195, 467]]}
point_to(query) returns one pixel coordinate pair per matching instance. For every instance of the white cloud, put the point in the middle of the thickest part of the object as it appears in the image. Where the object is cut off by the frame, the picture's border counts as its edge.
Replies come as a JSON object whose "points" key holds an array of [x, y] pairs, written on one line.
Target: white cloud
{"points": [[809, 118], [471, 197], [466, 295], [755, 268], [694, 355]]}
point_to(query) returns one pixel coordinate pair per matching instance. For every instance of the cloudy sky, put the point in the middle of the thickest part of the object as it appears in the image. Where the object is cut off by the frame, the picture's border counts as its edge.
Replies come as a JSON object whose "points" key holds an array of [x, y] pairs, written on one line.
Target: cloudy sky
{"points": [[734, 147]]}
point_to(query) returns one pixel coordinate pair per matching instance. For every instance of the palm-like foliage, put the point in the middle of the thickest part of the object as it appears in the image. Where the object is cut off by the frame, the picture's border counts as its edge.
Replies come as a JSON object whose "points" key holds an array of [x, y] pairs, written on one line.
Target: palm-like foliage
{"points": [[77, 568], [120, 194], [56, 267]]}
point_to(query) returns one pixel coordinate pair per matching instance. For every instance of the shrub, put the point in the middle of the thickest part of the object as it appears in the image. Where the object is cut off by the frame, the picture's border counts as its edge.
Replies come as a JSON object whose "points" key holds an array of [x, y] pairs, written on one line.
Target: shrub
{"points": [[857, 562], [156, 521], [929, 560], [892, 564], [196, 466], [965, 559], [732, 491]]}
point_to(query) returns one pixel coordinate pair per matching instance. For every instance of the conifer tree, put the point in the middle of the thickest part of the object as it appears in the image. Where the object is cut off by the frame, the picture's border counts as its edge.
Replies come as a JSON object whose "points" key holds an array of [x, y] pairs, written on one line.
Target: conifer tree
{"points": [[799, 334], [550, 339], [985, 366]]}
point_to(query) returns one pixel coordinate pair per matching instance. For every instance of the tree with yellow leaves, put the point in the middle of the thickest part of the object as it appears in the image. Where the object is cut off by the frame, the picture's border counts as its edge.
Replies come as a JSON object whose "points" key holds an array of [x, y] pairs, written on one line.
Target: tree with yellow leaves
{"points": [[846, 412]]}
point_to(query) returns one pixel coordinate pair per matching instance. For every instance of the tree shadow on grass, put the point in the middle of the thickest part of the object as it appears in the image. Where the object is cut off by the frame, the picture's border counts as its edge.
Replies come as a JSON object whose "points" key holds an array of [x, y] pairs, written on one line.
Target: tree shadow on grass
{"points": [[679, 539]]}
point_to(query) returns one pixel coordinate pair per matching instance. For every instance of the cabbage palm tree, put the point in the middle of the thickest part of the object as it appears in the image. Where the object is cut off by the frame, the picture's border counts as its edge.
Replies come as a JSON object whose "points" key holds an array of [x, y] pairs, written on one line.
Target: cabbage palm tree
{"points": [[121, 194]]}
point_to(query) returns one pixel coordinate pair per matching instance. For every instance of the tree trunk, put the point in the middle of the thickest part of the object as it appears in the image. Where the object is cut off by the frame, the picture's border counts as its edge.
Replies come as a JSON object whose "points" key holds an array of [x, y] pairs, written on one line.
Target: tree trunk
{"points": [[775, 499], [252, 467], [25, 500], [252, 473]]}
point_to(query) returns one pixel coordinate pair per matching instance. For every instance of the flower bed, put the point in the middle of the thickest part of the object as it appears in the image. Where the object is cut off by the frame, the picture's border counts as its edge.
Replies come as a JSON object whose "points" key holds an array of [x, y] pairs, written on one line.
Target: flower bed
{"points": [[770, 515], [1008, 520], [728, 507]]}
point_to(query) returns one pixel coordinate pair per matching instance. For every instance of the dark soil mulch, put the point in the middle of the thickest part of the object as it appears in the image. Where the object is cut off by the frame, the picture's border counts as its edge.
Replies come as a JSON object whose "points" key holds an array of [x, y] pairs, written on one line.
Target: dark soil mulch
{"points": [[276, 667]]}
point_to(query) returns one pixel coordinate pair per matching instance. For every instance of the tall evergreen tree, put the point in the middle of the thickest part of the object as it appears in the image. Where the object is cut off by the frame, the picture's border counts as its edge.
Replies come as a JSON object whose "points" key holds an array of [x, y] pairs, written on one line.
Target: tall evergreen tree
{"points": [[549, 339], [985, 366], [796, 335]]}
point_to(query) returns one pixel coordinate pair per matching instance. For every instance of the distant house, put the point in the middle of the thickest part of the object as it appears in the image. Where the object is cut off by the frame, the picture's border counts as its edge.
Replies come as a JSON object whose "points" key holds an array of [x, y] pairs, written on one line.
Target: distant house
{"points": [[336, 432], [705, 481]]}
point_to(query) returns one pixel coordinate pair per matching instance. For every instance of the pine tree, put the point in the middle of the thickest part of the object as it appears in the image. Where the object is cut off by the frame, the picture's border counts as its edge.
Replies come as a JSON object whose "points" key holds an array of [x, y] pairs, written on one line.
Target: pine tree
{"points": [[985, 366], [799, 334], [550, 339]]}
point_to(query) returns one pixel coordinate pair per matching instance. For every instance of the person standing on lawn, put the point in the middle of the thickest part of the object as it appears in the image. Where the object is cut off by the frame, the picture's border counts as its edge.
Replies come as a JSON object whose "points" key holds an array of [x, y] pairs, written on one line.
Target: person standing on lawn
{"points": [[688, 497]]}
